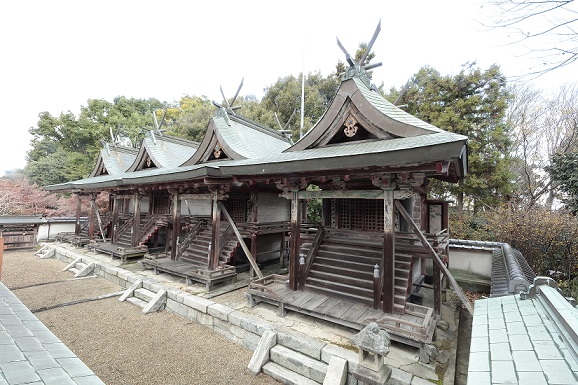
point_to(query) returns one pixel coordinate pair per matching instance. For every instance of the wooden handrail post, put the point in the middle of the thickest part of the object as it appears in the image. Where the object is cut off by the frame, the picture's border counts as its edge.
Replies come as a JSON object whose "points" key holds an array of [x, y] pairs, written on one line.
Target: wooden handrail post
{"points": [[376, 287], [301, 272]]}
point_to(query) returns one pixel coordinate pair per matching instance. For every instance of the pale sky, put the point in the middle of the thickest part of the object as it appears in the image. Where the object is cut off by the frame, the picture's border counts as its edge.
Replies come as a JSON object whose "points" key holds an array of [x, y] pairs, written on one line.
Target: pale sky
{"points": [[58, 54]]}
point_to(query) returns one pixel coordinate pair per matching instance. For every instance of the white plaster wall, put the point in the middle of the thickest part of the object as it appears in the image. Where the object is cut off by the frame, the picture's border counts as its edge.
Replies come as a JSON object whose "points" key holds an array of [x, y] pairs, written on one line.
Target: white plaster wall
{"points": [[272, 208], [196, 207], [477, 262], [49, 230]]}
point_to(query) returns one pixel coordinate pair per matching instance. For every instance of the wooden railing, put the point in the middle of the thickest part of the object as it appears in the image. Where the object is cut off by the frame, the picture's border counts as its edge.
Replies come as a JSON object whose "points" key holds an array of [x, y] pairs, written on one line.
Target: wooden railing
{"points": [[224, 238], [192, 234], [122, 229], [313, 249]]}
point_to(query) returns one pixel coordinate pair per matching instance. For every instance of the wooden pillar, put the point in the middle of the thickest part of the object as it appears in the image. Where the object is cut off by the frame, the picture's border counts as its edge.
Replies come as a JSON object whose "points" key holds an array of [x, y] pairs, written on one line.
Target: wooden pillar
{"points": [[114, 224], [388, 259], [326, 212], [295, 242], [78, 209], [136, 220], [176, 225], [424, 226], [91, 215], [253, 217], [216, 236], [437, 291]]}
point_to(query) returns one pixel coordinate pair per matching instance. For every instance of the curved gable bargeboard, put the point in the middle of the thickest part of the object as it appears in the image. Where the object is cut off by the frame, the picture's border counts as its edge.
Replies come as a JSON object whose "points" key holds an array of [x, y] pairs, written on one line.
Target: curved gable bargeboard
{"points": [[142, 159], [374, 115], [206, 150]]}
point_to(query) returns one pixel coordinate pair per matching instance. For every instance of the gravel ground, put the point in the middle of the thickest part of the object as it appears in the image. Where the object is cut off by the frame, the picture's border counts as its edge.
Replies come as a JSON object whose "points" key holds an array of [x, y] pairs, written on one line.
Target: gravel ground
{"points": [[118, 342]]}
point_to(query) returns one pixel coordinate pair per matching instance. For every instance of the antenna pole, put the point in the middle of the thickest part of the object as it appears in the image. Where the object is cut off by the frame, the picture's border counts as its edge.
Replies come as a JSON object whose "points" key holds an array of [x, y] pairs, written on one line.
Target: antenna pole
{"points": [[302, 103]]}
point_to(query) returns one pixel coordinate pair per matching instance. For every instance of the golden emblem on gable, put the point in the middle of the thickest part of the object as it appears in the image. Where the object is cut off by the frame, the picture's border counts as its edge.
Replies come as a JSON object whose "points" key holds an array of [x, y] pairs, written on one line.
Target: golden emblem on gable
{"points": [[350, 128], [217, 152]]}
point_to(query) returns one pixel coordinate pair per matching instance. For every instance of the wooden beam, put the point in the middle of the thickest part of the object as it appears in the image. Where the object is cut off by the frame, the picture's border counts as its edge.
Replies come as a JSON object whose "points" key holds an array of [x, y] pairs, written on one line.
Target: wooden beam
{"points": [[388, 257], [250, 257], [346, 194], [436, 259]]}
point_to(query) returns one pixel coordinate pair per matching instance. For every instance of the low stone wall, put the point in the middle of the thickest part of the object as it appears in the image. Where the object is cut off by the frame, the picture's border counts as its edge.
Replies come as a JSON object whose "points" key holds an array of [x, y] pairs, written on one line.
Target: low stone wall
{"points": [[235, 325]]}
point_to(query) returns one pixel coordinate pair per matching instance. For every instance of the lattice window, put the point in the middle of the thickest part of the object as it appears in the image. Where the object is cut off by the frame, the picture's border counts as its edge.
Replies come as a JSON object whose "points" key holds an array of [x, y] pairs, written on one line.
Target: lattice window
{"points": [[237, 207], [357, 214], [161, 205]]}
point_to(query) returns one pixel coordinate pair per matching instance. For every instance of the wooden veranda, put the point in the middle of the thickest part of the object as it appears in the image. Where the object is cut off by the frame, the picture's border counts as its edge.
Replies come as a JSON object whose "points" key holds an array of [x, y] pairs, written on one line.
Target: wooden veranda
{"points": [[415, 327]]}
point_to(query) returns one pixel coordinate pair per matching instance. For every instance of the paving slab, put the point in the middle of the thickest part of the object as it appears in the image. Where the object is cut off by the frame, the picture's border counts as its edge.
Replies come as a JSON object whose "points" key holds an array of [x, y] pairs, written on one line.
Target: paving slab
{"points": [[31, 354]]}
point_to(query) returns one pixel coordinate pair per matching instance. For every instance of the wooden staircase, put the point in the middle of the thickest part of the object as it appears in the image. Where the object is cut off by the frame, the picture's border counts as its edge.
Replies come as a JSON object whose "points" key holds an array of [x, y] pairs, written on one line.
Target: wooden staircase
{"points": [[148, 226], [197, 251], [344, 268]]}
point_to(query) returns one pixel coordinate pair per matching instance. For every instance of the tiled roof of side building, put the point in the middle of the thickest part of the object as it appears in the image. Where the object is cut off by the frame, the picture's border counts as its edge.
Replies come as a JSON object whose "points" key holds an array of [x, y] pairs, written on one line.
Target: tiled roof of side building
{"points": [[525, 339], [164, 151], [114, 160], [249, 139]]}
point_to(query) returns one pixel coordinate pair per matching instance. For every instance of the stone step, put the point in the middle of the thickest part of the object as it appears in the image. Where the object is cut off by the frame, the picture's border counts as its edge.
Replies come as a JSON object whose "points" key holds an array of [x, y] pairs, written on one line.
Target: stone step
{"points": [[285, 375], [137, 301], [74, 270], [298, 363], [80, 265], [144, 294]]}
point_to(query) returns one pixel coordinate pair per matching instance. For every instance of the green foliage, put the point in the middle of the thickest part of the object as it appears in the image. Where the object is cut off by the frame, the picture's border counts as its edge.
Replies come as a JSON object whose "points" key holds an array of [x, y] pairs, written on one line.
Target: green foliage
{"points": [[564, 170], [471, 103], [190, 118], [66, 147], [314, 207], [284, 99]]}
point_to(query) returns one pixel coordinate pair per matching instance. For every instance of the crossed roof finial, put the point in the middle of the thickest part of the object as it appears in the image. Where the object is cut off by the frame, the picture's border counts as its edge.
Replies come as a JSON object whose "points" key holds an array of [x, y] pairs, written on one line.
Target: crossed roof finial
{"points": [[351, 61]]}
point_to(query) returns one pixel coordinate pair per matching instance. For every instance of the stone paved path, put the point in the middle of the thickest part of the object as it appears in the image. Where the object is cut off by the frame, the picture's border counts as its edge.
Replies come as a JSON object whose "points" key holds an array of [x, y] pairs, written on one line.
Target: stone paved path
{"points": [[32, 354]]}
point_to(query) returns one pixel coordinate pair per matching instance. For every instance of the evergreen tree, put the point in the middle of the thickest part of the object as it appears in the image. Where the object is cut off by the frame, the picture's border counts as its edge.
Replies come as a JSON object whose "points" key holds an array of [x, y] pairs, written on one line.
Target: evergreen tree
{"points": [[471, 103]]}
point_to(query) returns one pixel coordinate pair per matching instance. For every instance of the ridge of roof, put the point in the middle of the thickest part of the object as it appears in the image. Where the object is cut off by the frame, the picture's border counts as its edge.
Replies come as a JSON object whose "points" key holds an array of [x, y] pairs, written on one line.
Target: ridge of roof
{"points": [[260, 127]]}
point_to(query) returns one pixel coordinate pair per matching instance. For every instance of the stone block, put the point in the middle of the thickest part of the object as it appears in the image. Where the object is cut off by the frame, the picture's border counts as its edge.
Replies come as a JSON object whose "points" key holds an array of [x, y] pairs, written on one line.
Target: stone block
{"points": [[400, 377], [156, 287], [330, 350], [336, 371], [235, 317], [255, 325], [302, 344], [219, 311], [123, 275], [261, 354], [197, 303], [173, 294]]}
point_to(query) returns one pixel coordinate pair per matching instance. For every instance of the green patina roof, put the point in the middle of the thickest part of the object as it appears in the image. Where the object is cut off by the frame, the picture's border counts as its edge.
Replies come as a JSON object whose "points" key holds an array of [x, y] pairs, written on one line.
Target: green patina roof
{"points": [[253, 149], [165, 151], [115, 159]]}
